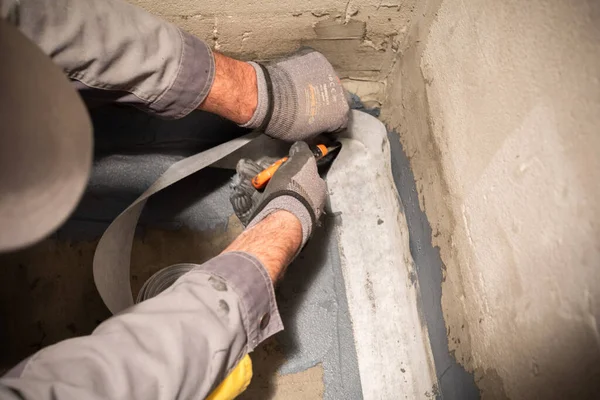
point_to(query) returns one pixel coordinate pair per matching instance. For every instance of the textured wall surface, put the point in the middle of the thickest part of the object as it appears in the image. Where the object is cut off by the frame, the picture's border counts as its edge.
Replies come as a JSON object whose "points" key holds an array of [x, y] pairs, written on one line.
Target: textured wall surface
{"points": [[360, 38], [498, 108]]}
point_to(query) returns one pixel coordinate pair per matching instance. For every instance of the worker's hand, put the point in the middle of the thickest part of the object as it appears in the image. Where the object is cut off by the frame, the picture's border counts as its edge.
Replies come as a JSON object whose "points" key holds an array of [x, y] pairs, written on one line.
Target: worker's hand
{"points": [[299, 97], [295, 187]]}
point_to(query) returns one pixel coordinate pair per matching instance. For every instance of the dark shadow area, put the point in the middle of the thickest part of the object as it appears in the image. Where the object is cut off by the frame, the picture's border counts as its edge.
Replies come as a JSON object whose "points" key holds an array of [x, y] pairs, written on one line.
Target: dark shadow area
{"points": [[571, 359], [124, 130], [47, 294], [132, 149], [191, 202]]}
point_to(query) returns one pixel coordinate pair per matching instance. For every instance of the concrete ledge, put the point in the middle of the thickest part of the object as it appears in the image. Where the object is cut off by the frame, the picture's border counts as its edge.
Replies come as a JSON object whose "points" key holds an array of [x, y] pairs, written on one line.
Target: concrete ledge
{"points": [[394, 356]]}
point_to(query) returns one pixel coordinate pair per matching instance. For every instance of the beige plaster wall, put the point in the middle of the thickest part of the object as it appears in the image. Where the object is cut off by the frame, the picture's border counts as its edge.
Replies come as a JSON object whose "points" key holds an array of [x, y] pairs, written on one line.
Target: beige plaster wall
{"points": [[497, 104], [359, 37]]}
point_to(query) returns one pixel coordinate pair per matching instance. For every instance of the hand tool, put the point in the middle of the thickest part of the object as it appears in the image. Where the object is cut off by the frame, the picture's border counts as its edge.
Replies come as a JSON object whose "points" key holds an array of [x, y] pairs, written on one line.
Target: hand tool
{"points": [[319, 151]]}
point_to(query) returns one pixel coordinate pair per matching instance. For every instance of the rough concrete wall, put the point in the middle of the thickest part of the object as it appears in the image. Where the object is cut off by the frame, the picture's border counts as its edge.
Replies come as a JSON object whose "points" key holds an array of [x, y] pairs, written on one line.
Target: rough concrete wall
{"points": [[498, 108], [360, 38]]}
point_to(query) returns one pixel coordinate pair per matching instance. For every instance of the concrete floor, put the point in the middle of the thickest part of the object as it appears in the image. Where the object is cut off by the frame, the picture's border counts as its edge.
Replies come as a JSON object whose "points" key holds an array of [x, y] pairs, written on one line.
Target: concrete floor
{"points": [[267, 383]]}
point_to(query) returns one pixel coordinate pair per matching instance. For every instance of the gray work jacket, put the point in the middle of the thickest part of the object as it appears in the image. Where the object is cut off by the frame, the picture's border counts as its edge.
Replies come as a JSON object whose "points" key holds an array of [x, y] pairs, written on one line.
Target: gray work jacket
{"points": [[183, 342]]}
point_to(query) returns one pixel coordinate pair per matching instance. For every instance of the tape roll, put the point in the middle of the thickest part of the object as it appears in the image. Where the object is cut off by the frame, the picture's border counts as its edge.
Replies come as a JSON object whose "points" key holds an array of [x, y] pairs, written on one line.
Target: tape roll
{"points": [[161, 280], [112, 259]]}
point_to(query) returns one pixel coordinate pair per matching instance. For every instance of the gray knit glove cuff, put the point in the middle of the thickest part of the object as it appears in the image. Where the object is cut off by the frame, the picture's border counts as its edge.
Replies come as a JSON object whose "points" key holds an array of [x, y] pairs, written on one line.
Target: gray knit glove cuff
{"points": [[299, 97], [296, 187]]}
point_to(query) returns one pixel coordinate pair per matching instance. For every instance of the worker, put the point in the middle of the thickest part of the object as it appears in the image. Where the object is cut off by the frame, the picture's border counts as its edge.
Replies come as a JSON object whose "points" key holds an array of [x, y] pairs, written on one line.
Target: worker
{"points": [[185, 341]]}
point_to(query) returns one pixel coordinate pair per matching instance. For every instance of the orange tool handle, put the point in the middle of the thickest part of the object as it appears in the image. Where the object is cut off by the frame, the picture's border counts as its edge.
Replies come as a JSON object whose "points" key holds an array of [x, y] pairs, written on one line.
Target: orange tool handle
{"points": [[261, 180], [320, 151]]}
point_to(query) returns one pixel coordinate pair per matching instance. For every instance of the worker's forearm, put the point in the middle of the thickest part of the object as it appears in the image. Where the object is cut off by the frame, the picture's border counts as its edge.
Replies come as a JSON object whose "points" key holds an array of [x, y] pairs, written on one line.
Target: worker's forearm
{"points": [[274, 241], [182, 343], [234, 94], [115, 51]]}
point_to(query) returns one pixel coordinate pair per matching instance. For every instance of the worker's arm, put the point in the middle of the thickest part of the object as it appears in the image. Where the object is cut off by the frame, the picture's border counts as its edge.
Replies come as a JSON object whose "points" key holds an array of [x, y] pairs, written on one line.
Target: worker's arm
{"points": [[183, 342], [116, 52]]}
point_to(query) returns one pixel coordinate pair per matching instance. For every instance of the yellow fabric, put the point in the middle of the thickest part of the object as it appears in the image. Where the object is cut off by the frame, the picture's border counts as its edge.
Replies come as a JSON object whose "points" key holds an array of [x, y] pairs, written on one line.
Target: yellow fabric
{"points": [[235, 383]]}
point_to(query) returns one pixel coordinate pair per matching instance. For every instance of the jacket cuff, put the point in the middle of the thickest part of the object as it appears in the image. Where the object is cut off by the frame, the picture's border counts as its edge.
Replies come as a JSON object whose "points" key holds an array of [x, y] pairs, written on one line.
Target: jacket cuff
{"points": [[250, 280], [193, 81]]}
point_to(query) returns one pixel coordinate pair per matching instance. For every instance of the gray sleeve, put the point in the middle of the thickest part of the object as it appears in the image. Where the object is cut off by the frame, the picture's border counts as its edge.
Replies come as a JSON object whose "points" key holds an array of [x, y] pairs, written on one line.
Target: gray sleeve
{"points": [[180, 344], [115, 51]]}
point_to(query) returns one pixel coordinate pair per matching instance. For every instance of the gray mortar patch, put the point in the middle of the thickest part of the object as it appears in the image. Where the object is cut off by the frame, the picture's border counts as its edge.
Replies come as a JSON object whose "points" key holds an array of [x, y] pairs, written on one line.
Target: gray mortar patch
{"points": [[454, 382]]}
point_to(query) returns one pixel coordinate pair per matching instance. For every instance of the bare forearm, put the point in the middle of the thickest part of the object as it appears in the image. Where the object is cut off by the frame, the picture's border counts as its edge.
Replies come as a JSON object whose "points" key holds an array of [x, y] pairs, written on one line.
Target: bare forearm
{"points": [[233, 94], [274, 241]]}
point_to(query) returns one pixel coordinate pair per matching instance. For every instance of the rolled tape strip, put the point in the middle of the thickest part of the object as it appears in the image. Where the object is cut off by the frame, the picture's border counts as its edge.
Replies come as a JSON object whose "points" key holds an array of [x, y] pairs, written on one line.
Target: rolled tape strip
{"points": [[112, 259]]}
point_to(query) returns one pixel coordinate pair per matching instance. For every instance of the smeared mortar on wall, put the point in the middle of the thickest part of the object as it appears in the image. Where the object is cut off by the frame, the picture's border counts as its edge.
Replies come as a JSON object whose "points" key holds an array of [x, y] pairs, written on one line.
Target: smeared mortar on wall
{"points": [[502, 154], [453, 381], [361, 38], [408, 104]]}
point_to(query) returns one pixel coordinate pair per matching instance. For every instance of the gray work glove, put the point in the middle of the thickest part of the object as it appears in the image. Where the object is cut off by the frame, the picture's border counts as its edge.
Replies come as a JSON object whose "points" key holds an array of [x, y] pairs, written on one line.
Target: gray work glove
{"points": [[299, 97], [295, 187]]}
